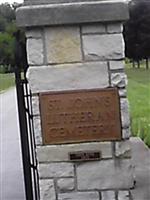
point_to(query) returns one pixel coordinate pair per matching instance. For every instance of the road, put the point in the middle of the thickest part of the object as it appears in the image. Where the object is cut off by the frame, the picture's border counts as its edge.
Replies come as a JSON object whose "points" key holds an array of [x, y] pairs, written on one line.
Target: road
{"points": [[11, 175]]}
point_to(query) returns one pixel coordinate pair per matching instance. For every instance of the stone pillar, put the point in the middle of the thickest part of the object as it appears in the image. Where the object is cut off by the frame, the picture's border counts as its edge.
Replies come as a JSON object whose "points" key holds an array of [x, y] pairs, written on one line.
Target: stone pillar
{"points": [[70, 46]]}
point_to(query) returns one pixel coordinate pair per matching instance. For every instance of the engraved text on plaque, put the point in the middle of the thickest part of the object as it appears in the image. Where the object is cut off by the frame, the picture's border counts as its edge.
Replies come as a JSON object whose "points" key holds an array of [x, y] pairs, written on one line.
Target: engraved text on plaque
{"points": [[80, 116]]}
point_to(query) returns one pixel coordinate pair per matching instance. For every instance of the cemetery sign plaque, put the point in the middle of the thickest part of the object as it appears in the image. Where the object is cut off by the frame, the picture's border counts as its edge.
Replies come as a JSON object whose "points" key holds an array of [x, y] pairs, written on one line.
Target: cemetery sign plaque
{"points": [[80, 116]]}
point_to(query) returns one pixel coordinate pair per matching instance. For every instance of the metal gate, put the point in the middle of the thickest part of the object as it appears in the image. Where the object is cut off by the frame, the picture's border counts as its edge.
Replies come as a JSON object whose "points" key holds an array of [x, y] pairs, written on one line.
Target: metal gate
{"points": [[24, 97]]}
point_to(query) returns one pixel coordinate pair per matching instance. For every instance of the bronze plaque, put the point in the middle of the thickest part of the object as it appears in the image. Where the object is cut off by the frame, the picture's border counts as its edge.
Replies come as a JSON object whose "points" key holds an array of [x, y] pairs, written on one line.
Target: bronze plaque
{"points": [[84, 155], [80, 116]]}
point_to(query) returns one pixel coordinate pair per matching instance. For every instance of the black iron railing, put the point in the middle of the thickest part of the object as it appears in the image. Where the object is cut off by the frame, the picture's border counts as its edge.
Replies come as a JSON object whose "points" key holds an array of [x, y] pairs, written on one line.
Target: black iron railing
{"points": [[24, 97]]}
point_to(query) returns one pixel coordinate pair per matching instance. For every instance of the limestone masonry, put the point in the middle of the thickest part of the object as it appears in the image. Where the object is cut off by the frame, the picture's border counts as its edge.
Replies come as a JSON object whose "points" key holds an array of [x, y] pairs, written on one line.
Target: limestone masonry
{"points": [[72, 46]]}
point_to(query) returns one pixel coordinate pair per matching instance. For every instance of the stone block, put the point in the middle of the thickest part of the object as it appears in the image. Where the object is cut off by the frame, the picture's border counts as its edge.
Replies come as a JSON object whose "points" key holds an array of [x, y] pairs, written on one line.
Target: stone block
{"points": [[124, 195], [126, 133], [123, 149], [35, 52], [53, 153], [78, 12], [105, 175], [108, 195], [68, 77], [114, 28], [125, 113], [47, 190], [103, 47], [63, 44], [122, 92], [118, 79], [49, 170], [79, 196], [115, 65], [96, 28], [37, 130], [34, 33], [66, 184], [35, 105]]}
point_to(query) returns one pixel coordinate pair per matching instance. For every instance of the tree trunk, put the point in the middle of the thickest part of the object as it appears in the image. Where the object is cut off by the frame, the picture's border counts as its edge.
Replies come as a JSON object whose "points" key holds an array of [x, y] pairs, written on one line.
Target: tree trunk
{"points": [[133, 64], [138, 63], [147, 63]]}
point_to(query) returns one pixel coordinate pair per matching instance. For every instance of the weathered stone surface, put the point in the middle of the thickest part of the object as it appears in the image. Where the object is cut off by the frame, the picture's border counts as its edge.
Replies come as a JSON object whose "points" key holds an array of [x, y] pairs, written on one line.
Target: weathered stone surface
{"points": [[79, 196], [96, 28], [47, 191], [78, 12], [115, 28], [123, 149], [60, 152], [103, 47], [35, 51], [125, 113], [118, 79], [37, 130], [65, 184], [122, 92], [35, 105], [105, 174], [126, 133], [124, 195], [34, 33], [108, 195], [49, 170], [68, 77], [116, 65], [63, 44]]}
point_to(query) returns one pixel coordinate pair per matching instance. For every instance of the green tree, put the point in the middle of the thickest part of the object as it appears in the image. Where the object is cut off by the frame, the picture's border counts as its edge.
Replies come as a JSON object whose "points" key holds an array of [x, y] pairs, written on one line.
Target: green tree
{"points": [[7, 12], [8, 29], [6, 51], [3, 23], [137, 31]]}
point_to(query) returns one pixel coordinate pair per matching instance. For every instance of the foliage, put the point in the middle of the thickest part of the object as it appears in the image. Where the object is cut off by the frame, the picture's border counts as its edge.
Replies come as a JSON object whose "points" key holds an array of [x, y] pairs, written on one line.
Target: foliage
{"points": [[137, 31], [3, 23], [7, 37], [139, 98], [6, 49], [7, 12]]}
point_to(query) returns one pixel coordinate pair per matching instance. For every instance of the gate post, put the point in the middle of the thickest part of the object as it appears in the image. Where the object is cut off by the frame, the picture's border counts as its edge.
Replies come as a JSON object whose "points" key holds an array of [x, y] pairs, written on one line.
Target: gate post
{"points": [[75, 53]]}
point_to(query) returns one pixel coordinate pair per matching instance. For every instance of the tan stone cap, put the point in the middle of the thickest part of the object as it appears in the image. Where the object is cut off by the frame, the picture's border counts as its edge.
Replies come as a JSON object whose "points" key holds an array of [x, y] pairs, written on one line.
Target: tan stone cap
{"points": [[72, 13]]}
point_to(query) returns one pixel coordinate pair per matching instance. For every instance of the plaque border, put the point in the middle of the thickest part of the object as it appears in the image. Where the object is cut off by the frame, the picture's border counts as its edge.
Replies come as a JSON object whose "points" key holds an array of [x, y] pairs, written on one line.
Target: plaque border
{"points": [[80, 91]]}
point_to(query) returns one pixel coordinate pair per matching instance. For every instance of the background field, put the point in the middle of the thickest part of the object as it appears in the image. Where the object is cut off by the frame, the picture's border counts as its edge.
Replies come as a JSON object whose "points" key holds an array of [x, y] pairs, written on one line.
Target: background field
{"points": [[139, 99], [6, 81]]}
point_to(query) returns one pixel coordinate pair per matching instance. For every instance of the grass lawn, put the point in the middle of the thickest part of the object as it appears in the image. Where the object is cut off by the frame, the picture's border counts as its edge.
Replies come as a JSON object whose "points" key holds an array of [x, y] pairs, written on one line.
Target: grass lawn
{"points": [[6, 81], [139, 98]]}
